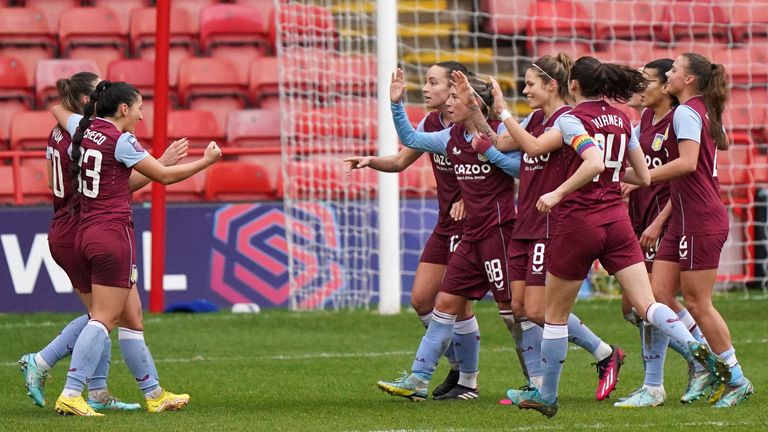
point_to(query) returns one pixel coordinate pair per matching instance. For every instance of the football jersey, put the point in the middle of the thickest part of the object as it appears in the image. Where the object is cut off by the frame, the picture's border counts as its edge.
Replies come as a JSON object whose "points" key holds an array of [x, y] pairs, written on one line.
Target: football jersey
{"points": [[448, 191], [66, 207], [489, 192], [538, 176], [107, 158], [659, 145], [696, 205], [599, 202]]}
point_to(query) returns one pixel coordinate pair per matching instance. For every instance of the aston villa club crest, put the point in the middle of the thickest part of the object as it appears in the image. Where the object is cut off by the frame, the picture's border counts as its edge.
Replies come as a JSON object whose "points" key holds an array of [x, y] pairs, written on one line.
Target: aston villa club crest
{"points": [[658, 140]]}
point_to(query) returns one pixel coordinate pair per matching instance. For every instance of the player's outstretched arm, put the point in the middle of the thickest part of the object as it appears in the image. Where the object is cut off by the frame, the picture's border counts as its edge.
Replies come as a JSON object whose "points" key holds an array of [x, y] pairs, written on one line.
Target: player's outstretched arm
{"points": [[154, 170], [392, 163], [508, 162], [171, 156]]}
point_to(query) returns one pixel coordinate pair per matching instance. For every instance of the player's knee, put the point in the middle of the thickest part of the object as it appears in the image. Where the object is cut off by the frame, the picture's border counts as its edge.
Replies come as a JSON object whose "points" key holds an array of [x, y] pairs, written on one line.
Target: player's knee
{"points": [[422, 306]]}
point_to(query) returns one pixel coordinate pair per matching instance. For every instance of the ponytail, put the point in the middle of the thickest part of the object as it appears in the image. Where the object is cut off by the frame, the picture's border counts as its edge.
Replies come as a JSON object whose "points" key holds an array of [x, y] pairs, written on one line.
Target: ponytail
{"points": [[555, 68], [713, 86], [483, 91], [613, 81], [88, 110], [72, 89]]}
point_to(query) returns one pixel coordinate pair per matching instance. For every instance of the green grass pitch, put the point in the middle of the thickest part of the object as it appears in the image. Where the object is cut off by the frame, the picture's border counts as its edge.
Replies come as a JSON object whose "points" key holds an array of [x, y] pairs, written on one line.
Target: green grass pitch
{"points": [[318, 370]]}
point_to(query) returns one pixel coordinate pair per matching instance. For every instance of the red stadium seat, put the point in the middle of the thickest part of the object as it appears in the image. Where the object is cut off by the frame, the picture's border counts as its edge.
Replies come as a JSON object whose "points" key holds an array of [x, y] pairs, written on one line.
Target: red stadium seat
{"points": [[418, 180], [694, 19], [748, 20], [734, 172], [572, 48], [52, 9], [352, 74], [238, 181], [30, 130], [123, 8], [760, 169], [189, 190], [633, 53], [745, 112], [15, 94], [49, 71], [324, 178], [183, 37], [199, 126], [235, 32], [26, 36], [642, 19], [264, 81], [559, 20], [332, 131], [6, 186], [265, 7], [255, 128], [506, 17], [34, 184], [305, 25], [139, 73], [741, 66], [211, 84], [272, 164], [193, 7], [102, 40], [415, 113]]}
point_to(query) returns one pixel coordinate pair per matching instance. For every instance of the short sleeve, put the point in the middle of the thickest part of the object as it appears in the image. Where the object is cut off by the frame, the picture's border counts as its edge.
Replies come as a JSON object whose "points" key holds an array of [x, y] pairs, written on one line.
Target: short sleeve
{"points": [[128, 150], [687, 124], [570, 127], [420, 127], [634, 138], [524, 122], [501, 129], [72, 123]]}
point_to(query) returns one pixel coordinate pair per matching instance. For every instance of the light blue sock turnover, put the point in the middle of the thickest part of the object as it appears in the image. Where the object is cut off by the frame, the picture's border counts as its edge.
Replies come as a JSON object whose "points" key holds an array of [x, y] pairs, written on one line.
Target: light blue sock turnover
{"points": [[654, 354], [85, 356], [531, 347], [62, 345], [99, 378], [554, 348], [433, 345], [138, 359], [661, 316]]}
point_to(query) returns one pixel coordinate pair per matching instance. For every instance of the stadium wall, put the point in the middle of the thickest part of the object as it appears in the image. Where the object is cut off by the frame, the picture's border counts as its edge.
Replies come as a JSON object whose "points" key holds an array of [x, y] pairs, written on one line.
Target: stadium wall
{"points": [[223, 253]]}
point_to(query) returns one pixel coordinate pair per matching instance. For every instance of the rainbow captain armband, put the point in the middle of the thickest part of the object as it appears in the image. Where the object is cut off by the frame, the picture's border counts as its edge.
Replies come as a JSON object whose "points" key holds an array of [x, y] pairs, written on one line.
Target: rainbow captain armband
{"points": [[581, 143]]}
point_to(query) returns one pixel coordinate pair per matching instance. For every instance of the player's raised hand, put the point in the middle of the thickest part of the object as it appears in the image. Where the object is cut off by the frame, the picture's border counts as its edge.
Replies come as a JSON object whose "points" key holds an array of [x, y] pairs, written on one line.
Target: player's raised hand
{"points": [[175, 152], [356, 162], [463, 89], [548, 200], [397, 87], [212, 153], [499, 103]]}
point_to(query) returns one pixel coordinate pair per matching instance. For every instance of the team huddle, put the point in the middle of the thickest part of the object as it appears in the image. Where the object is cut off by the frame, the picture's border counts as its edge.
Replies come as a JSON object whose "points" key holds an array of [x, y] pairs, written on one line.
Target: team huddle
{"points": [[642, 200], [94, 163]]}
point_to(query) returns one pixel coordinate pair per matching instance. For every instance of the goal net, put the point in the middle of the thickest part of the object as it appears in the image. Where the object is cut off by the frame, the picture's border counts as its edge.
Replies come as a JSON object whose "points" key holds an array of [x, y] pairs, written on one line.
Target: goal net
{"points": [[327, 57]]}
